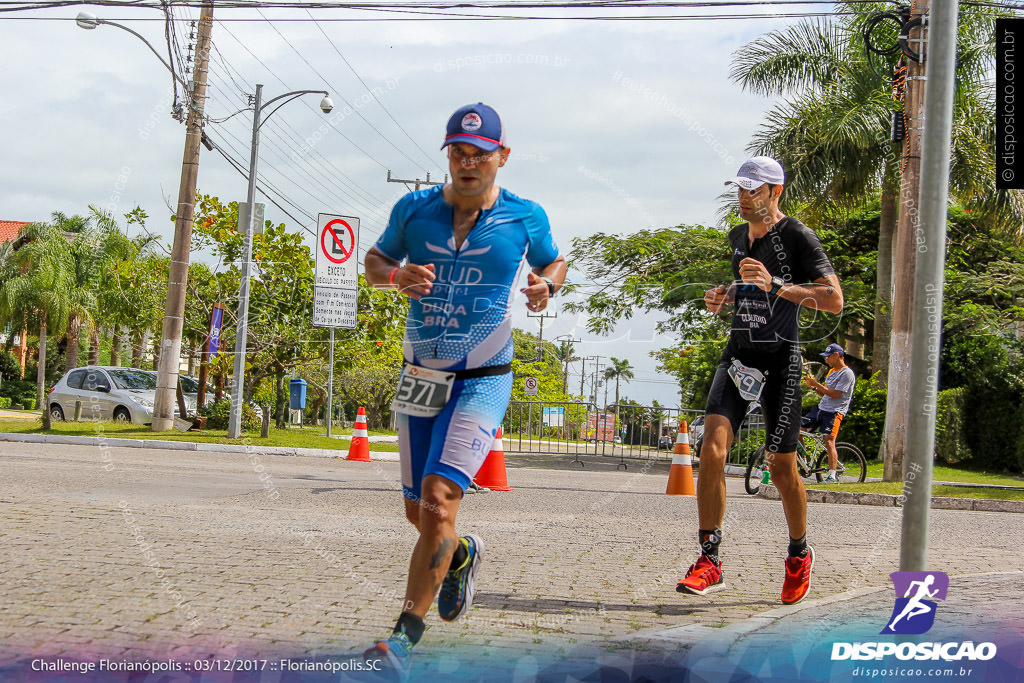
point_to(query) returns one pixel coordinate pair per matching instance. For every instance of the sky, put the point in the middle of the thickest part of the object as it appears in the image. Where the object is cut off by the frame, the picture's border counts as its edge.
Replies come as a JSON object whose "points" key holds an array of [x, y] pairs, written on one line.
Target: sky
{"points": [[615, 126]]}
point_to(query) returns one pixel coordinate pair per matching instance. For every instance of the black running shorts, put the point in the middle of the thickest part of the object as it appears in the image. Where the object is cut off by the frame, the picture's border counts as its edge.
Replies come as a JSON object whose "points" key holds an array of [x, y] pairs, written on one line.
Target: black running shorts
{"points": [[780, 400]]}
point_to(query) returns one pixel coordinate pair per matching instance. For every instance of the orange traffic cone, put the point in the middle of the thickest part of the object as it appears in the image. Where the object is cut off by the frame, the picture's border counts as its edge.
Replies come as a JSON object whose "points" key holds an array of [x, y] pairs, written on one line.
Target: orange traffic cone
{"points": [[492, 473], [680, 476], [359, 450]]}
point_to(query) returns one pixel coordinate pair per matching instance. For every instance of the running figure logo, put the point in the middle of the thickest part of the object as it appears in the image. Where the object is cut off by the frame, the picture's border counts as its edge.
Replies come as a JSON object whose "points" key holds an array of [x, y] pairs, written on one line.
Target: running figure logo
{"points": [[916, 592]]}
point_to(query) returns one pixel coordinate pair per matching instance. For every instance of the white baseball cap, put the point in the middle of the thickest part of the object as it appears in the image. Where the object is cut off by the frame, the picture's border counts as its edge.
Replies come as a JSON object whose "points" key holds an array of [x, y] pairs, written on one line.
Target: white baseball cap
{"points": [[756, 172]]}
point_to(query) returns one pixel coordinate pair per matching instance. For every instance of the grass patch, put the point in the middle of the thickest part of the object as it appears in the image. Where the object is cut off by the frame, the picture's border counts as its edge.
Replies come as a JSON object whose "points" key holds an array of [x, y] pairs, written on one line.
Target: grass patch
{"points": [[945, 473], [894, 488], [294, 437]]}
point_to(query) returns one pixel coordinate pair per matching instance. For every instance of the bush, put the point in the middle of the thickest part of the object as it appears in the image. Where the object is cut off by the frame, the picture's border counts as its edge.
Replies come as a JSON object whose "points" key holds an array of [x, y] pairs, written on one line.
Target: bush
{"points": [[29, 403], [864, 426], [218, 414], [18, 390], [950, 436], [5, 402], [10, 368]]}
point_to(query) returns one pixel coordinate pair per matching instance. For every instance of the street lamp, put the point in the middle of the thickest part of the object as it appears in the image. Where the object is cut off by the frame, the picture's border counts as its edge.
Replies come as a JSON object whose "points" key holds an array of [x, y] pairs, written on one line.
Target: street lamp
{"points": [[89, 21], [177, 277], [242, 325]]}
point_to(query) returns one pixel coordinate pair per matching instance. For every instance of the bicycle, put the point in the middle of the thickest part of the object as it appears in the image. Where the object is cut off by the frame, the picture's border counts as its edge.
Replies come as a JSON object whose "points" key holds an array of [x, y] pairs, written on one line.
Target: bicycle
{"points": [[851, 466]]}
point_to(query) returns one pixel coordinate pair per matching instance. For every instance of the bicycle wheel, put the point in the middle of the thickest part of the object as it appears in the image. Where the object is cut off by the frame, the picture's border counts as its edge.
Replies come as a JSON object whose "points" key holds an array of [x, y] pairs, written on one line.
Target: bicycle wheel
{"points": [[756, 466], [851, 466]]}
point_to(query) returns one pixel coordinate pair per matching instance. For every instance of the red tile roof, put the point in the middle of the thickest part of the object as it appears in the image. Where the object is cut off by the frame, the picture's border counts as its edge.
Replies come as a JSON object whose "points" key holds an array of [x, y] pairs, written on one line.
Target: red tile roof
{"points": [[9, 230]]}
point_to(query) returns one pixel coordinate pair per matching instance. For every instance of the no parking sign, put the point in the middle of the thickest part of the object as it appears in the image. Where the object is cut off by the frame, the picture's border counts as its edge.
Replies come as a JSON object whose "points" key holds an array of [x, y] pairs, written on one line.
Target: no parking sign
{"points": [[336, 285]]}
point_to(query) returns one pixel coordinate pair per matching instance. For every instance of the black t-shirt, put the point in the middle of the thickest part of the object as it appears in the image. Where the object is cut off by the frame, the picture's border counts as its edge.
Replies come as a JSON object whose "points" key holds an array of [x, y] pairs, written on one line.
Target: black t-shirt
{"points": [[790, 250]]}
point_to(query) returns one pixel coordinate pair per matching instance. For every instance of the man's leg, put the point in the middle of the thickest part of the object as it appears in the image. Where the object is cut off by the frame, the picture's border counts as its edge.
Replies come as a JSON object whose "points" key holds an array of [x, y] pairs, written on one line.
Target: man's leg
{"points": [[711, 480], [435, 519], [830, 447], [791, 489], [705, 575]]}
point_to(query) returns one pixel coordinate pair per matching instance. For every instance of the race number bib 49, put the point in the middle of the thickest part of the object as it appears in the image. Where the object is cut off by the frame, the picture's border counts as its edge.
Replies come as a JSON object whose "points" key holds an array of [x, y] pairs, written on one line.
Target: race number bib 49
{"points": [[422, 392], [749, 381]]}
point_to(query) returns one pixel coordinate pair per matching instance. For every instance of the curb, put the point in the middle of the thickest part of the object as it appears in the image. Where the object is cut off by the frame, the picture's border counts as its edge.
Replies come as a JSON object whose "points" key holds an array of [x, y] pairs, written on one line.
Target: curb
{"points": [[885, 500], [111, 442]]}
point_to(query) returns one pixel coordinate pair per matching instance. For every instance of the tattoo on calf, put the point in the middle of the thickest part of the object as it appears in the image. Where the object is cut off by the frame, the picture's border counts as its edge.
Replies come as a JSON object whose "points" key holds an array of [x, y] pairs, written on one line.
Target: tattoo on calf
{"points": [[444, 549]]}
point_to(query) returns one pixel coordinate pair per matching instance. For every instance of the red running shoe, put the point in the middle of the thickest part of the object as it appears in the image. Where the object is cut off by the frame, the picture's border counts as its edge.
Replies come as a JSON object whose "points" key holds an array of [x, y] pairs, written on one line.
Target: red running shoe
{"points": [[703, 577], [798, 577]]}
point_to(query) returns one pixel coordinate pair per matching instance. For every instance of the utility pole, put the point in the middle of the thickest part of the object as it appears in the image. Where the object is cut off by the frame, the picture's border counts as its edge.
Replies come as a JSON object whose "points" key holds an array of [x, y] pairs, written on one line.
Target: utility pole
{"points": [[174, 309], [593, 382], [583, 376], [568, 356], [428, 182], [905, 256], [540, 340]]}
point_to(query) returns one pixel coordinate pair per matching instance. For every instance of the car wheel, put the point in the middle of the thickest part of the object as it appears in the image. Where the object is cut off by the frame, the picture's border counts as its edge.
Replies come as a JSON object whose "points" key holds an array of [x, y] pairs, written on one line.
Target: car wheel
{"points": [[122, 415], [56, 413]]}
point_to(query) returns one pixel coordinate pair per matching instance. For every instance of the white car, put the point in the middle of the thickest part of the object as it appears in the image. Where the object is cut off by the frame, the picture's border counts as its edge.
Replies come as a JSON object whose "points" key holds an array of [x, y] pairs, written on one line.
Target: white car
{"points": [[106, 393]]}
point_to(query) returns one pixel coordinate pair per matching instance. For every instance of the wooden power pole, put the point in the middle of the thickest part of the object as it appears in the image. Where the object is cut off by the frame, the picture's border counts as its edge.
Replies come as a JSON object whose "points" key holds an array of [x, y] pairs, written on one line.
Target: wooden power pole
{"points": [[174, 310], [905, 256]]}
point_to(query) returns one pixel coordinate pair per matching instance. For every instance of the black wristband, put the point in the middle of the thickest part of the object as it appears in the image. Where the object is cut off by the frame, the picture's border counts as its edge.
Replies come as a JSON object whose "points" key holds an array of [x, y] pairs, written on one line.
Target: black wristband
{"points": [[551, 286]]}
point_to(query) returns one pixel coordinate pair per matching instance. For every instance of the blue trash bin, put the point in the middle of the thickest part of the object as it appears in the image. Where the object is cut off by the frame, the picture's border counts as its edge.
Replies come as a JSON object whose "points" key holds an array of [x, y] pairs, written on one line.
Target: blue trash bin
{"points": [[297, 394]]}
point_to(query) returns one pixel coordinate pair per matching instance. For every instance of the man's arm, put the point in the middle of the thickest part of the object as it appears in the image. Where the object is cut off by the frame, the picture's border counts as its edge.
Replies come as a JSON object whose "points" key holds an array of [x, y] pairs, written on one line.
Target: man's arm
{"points": [[824, 294], [384, 272], [716, 298], [820, 389], [536, 289]]}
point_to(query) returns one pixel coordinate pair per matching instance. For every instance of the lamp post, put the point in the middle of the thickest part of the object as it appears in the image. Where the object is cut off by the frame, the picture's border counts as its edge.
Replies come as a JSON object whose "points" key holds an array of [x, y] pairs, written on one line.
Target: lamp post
{"points": [[242, 324], [174, 308]]}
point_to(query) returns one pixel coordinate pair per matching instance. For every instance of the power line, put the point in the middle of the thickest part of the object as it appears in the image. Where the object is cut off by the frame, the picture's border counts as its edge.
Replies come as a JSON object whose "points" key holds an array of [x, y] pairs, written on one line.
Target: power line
{"points": [[327, 120], [338, 92], [336, 175], [368, 89]]}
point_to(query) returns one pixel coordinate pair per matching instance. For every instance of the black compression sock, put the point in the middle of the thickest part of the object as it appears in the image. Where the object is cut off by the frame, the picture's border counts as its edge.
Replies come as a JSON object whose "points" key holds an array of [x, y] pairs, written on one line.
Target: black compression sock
{"points": [[798, 546], [461, 552], [411, 625], [709, 540]]}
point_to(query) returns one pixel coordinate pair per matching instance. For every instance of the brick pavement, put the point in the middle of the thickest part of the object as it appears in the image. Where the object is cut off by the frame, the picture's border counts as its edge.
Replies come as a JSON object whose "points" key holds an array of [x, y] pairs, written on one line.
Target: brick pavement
{"points": [[185, 554]]}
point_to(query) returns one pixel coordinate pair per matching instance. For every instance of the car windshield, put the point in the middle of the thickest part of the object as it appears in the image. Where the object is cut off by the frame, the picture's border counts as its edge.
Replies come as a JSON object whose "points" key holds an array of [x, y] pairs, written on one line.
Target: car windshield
{"points": [[189, 385], [134, 379]]}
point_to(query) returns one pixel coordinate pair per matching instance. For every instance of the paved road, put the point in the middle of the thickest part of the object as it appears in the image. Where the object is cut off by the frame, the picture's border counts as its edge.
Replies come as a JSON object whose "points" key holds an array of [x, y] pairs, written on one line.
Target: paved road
{"points": [[136, 553]]}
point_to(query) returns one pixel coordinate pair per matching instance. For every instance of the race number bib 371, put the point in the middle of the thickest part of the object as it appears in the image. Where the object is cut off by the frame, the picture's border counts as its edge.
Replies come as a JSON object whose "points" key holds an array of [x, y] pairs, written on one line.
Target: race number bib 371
{"points": [[749, 381], [422, 392]]}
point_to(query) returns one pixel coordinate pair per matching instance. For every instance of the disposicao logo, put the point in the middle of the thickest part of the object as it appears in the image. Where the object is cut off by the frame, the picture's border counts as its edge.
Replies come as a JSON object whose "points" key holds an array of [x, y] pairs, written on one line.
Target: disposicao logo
{"points": [[914, 614]]}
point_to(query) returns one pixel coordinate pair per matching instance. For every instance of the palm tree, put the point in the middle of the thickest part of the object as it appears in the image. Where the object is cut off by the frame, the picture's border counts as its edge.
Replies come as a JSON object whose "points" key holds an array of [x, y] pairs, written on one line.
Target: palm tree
{"points": [[115, 252], [832, 133], [565, 352], [619, 369], [37, 289]]}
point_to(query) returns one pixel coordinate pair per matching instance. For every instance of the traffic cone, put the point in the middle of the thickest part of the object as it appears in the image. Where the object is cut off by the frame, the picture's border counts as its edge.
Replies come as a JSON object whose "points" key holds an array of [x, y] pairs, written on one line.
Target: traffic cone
{"points": [[492, 473], [359, 450], [680, 476]]}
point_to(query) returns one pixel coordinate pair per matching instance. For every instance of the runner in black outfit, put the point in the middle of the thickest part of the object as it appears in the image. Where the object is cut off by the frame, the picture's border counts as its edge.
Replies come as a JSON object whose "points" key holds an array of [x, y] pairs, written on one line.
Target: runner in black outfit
{"points": [[778, 265]]}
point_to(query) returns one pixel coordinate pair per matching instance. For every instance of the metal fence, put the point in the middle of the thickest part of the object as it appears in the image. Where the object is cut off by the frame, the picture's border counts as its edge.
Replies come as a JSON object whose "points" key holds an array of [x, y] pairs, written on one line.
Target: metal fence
{"points": [[626, 432]]}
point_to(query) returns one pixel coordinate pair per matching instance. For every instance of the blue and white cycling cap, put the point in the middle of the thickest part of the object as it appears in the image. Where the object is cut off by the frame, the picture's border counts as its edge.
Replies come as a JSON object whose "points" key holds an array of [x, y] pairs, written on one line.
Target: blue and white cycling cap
{"points": [[476, 124], [757, 171]]}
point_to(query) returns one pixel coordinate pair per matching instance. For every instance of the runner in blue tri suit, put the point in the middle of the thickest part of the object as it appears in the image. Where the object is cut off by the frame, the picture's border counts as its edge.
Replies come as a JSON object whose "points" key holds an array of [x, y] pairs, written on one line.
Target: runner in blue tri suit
{"points": [[463, 246]]}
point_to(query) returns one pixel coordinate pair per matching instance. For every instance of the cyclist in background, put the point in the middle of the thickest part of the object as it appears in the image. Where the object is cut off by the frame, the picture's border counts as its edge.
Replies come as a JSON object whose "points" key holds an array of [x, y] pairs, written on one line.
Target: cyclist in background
{"points": [[836, 395]]}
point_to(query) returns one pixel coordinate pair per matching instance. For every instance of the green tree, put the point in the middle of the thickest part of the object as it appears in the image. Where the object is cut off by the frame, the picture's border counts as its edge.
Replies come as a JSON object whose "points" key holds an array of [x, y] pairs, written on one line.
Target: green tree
{"points": [[831, 132], [36, 292]]}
